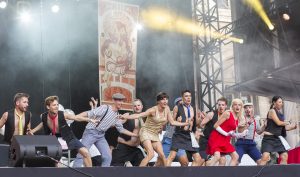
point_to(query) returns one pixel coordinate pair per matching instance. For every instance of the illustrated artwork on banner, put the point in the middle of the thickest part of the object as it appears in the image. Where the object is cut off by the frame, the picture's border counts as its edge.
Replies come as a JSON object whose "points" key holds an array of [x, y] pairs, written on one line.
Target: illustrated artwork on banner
{"points": [[117, 50]]}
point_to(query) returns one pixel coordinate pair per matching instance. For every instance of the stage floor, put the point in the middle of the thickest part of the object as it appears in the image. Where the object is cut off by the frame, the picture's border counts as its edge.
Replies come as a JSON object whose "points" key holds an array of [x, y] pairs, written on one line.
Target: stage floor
{"points": [[239, 171]]}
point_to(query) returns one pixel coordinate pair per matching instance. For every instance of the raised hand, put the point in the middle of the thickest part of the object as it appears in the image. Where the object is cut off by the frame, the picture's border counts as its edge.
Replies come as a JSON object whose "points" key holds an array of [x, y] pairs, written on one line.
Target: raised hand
{"points": [[94, 101], [202, 115], [91, 104]]}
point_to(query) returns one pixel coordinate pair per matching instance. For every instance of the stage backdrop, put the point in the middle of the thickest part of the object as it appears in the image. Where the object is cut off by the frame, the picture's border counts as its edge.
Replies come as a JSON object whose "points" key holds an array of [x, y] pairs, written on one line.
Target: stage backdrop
{"points": [[117, 50]]}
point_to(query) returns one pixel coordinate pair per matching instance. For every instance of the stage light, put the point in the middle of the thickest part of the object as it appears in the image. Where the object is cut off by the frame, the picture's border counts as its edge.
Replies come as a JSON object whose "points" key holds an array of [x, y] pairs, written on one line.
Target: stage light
{"points": [[139, 27], [271, 27], [241, 41], [258, 8], [165, 20], [286, 16], [3, 4], [55, 8], [285, 12], [25, 17]]}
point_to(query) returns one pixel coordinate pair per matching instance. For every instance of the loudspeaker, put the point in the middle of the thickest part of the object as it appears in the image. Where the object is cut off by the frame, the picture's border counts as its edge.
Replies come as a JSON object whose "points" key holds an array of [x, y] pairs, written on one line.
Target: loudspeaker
{"points": [[34, 151], [4, 149]]}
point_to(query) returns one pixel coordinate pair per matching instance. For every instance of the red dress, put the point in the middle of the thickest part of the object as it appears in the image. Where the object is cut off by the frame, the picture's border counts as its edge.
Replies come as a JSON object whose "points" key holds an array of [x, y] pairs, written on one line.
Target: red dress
{"points": [[219, 142]]}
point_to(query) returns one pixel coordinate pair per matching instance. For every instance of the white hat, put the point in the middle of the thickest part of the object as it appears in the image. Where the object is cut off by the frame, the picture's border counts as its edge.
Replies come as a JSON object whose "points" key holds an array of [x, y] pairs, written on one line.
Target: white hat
{"points": [[248, 104]]}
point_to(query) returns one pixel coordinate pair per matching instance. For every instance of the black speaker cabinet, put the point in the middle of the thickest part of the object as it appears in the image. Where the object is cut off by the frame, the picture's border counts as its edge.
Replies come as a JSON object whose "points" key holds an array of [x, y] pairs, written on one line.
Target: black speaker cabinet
{"points": [[4, 149], [34, 151]]}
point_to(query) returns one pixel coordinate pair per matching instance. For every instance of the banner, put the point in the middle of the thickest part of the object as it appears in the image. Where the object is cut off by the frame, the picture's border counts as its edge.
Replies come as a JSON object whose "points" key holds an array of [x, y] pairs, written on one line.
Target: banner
{"points": [[117, 50]]}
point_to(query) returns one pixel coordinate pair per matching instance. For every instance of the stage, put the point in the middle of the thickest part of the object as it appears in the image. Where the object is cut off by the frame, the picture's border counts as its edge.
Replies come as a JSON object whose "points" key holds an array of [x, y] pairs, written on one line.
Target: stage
{"points": [[239, 171]]}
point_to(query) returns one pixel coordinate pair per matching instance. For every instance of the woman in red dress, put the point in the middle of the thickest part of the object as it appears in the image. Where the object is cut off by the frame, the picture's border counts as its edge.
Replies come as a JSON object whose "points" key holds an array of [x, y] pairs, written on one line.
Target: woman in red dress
{"points": [[219, 140]]}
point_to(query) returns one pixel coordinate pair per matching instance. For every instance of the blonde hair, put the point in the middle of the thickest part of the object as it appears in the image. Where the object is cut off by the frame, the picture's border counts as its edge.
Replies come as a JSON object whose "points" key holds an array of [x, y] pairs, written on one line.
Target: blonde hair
{"points": [[240, 115]]}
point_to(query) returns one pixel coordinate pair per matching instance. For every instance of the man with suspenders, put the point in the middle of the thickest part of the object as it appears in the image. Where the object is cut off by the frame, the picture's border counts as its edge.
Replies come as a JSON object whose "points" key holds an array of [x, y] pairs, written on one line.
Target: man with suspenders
{"points": [[95, 134], [246, 144]]}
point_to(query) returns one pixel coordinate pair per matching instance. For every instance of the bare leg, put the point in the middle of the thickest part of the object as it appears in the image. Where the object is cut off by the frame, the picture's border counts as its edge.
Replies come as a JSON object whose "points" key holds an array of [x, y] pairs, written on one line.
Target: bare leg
{"points": [[87, 161], [197, 159], [158, 148], [183, 160], [150, 153], [265, 158], [222, 161], [171, 157], [284, 158], [234, 158], [158, 163], [215, 159]]}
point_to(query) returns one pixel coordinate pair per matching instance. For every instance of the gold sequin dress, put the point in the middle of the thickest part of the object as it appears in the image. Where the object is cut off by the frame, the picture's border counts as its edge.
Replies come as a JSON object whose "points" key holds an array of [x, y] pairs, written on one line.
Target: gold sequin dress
{"points": [[153, 125]]}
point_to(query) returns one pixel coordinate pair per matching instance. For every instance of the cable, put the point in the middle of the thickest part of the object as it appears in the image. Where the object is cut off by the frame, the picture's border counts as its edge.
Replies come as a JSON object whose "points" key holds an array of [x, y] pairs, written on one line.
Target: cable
{"points": [[260, 171], [38, 153]]}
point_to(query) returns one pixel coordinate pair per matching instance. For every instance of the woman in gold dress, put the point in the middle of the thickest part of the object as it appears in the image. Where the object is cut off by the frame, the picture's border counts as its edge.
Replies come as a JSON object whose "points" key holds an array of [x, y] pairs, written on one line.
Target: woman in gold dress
{"points": [[157, 117]]}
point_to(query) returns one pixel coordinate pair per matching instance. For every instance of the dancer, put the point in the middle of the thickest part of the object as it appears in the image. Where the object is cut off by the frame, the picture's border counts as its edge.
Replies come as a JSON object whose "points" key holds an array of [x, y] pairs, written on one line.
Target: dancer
{"points": [[127, 150], [275, 131], [94, 134], [17, 120], [54, 123], [219, 140], [167, 142], [208, 123], [247, 145], [157, 116], [182, 136]]}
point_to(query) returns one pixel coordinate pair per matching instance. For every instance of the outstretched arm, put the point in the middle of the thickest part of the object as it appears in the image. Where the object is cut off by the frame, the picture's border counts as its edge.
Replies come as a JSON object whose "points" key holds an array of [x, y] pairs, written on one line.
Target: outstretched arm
{"points": [[273, 115], [128, 133], [3, 119], [206, 119], [291, 126], [37, 128], [136, 116], [171, 119], [80, 118], [222, 119], [134, 141]]}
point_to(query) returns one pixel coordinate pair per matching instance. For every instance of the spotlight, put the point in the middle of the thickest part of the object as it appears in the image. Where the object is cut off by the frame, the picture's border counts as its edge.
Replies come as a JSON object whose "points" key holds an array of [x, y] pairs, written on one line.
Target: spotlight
{"points": [[25, 17], [23, 10], [139, 26], [241, 41], [3, 4], [271, 27], [285, 12], [286, 17], [55, 8]]}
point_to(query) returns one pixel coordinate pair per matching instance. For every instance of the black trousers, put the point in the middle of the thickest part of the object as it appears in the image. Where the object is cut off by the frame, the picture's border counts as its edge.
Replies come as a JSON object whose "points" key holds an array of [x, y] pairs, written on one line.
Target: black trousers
{"points": [[123, 153]]}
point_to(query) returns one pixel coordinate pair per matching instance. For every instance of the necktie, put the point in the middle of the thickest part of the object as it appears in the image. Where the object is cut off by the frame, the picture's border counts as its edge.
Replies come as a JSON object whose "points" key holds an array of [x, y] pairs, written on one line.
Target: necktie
{"points": [[20, 124], [188, 110], [53, 123]]}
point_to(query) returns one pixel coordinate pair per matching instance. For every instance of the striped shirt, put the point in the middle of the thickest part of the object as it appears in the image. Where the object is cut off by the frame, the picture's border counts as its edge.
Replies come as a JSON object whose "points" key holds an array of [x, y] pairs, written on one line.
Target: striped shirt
{"points": [[108, 121]]}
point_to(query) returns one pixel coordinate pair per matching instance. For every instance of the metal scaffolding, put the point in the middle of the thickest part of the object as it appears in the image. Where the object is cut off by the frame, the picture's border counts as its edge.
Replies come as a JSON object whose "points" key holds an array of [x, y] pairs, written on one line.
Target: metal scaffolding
{"points": [[208, 70]]}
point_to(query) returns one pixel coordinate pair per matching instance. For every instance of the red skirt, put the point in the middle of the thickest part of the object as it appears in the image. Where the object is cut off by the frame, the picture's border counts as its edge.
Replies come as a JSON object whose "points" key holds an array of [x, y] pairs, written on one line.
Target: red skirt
{"points": [[220, 143]]}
